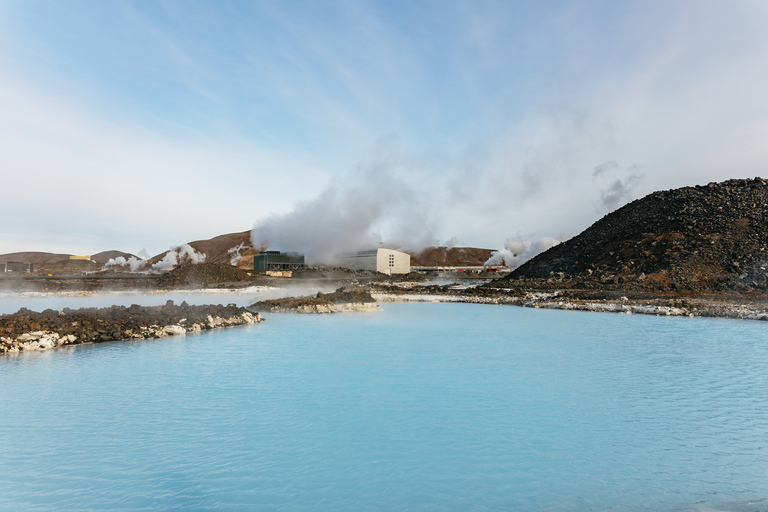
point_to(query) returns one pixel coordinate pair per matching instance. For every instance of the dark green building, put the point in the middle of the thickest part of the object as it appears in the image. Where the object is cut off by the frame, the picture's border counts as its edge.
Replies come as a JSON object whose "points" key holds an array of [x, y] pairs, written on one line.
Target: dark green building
{"points": [[276, 260]]}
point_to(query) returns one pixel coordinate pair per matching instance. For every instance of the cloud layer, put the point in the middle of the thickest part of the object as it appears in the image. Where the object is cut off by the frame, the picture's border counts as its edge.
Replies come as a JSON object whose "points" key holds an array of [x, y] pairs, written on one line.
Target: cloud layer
{"points": [[506, 118]]}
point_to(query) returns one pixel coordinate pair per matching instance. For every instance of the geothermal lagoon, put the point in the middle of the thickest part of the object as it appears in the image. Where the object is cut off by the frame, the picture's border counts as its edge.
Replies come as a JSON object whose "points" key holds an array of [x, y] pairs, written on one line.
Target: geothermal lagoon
{"points": [[431, 406]]}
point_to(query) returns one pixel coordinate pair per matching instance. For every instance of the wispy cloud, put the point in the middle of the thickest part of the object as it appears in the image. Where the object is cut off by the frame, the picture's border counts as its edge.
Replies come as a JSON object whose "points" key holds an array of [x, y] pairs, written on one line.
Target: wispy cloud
{"points": [[134, 120], [73, 172]]}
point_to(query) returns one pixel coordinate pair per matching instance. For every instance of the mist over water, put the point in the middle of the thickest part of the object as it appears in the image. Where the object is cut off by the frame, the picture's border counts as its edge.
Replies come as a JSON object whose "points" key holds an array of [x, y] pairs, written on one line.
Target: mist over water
{"points": [[40, 301]]}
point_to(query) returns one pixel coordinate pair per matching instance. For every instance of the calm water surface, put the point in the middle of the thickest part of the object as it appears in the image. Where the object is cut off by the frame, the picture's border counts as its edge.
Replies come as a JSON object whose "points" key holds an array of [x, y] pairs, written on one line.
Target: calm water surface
{"points": [[419, 407]]}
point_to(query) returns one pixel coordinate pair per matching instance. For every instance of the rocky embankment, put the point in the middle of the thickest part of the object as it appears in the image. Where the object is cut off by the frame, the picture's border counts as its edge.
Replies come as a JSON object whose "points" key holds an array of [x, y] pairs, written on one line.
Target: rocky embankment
{"points": [[342, 300], [689, 241], [188, 275], [27, 330], [743, 308]]}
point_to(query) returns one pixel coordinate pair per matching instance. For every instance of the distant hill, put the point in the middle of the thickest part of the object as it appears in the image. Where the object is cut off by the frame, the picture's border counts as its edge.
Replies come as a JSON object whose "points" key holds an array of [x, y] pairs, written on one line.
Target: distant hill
{"points": [[696, 239], [36, 258], [216, 249], [49, 260], [450, 256]]}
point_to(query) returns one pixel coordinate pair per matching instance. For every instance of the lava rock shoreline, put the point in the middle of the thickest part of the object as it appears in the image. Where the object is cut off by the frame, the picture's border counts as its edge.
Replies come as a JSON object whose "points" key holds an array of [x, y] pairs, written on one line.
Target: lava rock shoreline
{"points": [[735, 306], [342, 300], [27, 330]]}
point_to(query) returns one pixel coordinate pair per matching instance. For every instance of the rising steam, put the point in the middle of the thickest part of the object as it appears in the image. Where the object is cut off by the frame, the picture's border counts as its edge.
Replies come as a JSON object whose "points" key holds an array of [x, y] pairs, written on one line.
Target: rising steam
{"points": [[182, 254], [373, 210], [616, 184], [133, 262], [234, 253], [517, 251]]}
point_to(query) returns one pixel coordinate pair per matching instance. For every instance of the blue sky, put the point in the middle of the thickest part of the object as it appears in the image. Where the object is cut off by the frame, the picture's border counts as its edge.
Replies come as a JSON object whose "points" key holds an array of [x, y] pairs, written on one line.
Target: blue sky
{"points": [[141, 124]]}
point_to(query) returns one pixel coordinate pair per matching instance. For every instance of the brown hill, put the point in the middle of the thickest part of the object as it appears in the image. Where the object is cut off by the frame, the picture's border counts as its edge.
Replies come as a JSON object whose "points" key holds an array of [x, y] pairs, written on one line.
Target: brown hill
{"points": [[696, 239], [216, 249], [450, 257], [36, 258], [52, 261]]}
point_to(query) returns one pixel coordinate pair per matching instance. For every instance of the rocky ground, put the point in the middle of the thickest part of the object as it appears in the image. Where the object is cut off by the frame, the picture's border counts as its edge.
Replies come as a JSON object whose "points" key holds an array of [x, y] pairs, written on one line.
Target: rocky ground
{"points": [[342, 300], [28, 330], [612, 301], [204, 275], [95, 282]]}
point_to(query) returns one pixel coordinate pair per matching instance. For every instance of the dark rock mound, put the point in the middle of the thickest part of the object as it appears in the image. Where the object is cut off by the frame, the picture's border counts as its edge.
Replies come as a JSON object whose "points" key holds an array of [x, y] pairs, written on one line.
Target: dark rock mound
{"points": [[203, 274], [697, 239], [94, 325], [320, 303]]}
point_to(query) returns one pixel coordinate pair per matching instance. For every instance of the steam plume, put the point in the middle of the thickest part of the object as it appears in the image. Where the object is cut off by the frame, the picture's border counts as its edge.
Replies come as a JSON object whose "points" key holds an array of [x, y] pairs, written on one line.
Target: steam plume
{"points": [[133, 262], [178, 255], [234, 253], [617, 184], [517, 251], [373, 210]]}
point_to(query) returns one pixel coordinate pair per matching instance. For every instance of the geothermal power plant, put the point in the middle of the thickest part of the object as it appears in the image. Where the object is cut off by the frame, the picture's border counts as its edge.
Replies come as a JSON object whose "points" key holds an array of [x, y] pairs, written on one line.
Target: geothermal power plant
{"points": [[385, 261]]}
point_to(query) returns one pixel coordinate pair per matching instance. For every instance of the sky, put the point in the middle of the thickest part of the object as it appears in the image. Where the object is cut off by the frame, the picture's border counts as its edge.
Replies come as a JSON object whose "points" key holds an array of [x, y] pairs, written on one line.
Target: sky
{"points": [[144, 125]]}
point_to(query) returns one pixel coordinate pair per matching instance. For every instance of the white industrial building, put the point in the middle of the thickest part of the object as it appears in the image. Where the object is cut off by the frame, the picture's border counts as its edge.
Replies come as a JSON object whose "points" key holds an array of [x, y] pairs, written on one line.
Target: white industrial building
{"points": [[386, 261]]}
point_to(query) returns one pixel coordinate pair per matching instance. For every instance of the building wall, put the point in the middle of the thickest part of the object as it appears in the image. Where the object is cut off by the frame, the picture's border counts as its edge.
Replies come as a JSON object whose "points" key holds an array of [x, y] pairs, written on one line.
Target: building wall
{"points": [[363, 260], [386, 261], [393, 262]]}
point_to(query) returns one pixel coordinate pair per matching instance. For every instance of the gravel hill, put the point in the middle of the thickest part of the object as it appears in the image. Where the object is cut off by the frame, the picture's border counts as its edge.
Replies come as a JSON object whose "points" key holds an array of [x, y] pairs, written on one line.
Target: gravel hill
{"points": [[699, 239]]}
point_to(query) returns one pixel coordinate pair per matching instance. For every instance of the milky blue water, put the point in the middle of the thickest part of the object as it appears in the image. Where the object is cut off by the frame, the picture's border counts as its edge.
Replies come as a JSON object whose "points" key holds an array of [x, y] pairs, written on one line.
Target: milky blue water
{"points": [[418, 407]]}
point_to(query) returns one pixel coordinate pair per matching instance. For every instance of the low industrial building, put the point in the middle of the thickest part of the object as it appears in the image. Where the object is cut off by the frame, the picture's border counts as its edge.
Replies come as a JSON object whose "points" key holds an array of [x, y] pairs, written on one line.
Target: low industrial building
{"points": [[386, 261], [16, 267], [278, 261]]}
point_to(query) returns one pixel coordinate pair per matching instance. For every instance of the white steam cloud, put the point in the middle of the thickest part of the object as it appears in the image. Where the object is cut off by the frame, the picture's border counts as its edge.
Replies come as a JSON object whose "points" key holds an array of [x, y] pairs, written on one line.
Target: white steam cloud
{"points": [[182, 254], [517, 251], [133, 262], [234, 253], [370, 210], [617, 184]]}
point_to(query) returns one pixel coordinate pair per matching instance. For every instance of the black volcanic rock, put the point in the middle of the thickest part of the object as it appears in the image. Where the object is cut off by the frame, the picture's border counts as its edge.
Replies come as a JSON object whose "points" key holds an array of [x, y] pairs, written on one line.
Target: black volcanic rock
{"points": [[320, 303], [700, 239], [28, 330]]}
